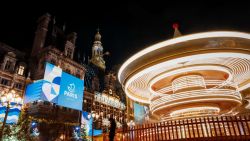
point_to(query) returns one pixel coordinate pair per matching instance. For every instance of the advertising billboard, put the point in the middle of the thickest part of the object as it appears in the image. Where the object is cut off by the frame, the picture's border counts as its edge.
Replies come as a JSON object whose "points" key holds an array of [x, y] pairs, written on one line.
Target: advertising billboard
{"points": [[33, 92], [141, 113], [57, 87], [71, 92]]}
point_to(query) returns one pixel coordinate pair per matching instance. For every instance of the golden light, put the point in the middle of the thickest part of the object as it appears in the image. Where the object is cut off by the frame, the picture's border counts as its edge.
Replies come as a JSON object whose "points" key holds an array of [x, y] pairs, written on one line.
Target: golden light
{"points": [[189, 72]]}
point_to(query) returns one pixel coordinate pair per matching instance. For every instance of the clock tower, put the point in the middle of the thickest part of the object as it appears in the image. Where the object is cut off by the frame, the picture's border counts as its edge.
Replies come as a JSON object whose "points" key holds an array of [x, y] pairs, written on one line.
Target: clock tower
{"points": [[97, 52]]}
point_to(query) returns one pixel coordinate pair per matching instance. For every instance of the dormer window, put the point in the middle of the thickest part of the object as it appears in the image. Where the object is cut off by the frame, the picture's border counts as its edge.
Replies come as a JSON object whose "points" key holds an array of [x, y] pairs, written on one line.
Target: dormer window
{"points": [[8, 65], [5, 82], [69, 49], [69, 52], [20, 70]]}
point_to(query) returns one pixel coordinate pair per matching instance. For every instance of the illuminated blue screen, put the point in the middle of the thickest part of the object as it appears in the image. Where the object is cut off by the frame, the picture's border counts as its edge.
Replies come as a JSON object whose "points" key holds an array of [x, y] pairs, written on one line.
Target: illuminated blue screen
{"points": [[141, 113], [33, 91], [87, 124], [57, 87], [71, 92], [13, 114]]}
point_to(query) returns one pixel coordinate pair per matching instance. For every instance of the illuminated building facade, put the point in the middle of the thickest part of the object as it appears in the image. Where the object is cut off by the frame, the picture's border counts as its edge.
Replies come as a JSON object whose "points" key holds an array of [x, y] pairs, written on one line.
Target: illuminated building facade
{"points": [[13, 69], [197, 75], [59, 49], [52, 44], [103, 94]]}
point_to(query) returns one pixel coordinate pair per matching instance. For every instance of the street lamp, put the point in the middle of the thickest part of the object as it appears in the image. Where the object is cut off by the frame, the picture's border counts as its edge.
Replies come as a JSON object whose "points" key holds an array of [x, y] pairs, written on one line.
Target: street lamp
{"points": [[94, 118], [131, 123], [8, 97]]}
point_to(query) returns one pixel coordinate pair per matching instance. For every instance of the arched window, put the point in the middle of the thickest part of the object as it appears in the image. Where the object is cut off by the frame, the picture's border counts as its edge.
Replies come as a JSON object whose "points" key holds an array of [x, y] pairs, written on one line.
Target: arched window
{"points": [[8, 65], [20, 70], [69, 52]]}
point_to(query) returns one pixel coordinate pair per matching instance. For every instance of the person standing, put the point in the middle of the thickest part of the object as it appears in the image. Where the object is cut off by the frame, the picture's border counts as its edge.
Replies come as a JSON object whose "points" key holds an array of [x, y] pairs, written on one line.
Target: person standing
{"points": [[112, 128]]}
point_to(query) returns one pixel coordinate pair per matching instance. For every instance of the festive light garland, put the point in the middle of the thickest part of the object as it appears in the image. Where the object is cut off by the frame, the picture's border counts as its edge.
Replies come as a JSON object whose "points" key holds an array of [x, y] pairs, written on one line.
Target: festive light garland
{"points": [[39, 120]]}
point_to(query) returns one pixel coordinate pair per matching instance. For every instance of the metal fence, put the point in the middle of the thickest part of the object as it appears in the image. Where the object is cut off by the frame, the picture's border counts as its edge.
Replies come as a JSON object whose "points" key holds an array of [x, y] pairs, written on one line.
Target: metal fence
{"points": [[215, 128]]}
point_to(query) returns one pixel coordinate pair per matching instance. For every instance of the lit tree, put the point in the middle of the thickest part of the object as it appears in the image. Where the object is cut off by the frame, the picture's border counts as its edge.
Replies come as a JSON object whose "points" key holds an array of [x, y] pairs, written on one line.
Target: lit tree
{"points": [[22, 129], [83, 134]]}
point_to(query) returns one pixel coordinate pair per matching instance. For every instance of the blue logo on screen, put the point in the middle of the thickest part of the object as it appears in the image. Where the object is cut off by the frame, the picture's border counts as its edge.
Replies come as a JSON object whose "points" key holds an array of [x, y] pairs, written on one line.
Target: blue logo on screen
{"points": [[71, 87], [71, 91]]}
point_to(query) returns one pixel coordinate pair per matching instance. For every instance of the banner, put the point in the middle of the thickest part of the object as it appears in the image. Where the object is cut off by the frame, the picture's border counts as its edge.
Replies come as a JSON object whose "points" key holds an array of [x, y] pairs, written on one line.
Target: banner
{"points": [[87, 125], [71, 92], [57, 87], [51, 84], [141, 113], [33, 91], [13, 114]]}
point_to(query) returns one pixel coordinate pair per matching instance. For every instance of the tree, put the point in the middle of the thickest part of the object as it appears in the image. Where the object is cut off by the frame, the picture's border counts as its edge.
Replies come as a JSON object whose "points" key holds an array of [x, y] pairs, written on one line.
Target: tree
{"points": [[22, 129], [83, 134]]}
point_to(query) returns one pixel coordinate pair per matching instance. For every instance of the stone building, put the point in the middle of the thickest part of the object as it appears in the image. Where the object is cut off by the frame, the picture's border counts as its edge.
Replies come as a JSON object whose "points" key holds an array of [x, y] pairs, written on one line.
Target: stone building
{"points": [[52, 44], [102, 95], [13, 69]]}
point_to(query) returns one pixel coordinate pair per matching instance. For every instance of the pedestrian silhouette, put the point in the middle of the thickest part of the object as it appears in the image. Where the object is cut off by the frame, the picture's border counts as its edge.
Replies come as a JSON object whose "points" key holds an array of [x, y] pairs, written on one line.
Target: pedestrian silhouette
{"points": [[112, 128]]}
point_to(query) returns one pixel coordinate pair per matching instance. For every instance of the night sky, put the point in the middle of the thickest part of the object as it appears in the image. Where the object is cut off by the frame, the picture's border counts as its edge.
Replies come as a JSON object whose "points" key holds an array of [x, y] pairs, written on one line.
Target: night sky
{"points": [[126, 28]]}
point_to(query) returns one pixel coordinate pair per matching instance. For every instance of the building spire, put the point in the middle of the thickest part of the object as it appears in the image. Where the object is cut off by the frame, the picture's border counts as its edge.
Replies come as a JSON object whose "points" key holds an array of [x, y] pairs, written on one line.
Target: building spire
{"points": [[177, 33], [98, 35], [97, 51], [41, 33]]}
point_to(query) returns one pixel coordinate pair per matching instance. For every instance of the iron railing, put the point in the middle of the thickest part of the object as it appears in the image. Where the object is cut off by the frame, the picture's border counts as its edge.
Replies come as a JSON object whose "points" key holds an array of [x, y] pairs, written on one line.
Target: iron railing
{"points": [[208, 128]]}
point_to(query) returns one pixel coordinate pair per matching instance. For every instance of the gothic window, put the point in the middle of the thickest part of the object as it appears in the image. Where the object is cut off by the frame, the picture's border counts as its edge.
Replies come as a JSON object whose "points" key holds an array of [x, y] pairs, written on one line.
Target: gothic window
{"points": [[20, 70], [18, 86], [69, 52], [5, 81], [8, 65]]}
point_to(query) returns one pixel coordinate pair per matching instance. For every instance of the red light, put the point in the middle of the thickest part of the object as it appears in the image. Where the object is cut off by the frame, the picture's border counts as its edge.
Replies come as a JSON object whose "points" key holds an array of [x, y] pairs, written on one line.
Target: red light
{"points": [[175, 25]]}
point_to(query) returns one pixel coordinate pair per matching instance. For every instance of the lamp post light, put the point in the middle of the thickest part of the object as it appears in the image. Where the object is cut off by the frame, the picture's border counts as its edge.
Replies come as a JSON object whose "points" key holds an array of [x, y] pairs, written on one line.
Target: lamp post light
{"points": [[95, 118], [131, 123], [8, 97]]}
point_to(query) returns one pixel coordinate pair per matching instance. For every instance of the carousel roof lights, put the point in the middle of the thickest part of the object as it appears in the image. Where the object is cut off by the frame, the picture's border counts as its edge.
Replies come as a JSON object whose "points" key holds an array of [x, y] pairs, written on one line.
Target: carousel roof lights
{"points": [[192, 71], [196, 100], [179, 40], [178, 60], [194, 109]]}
